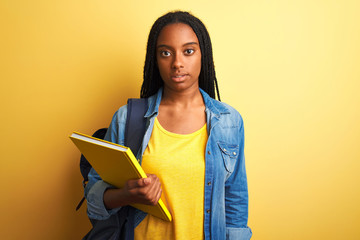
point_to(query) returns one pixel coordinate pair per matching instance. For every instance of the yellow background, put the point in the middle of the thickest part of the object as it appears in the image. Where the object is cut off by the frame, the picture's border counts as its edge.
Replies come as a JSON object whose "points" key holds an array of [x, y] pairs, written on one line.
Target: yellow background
{"points": [[291, 68]]}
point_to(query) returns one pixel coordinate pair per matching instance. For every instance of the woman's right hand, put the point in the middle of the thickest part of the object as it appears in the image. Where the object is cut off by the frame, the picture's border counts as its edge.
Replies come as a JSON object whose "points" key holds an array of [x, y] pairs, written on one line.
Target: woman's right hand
{"points": [[145, 191]]}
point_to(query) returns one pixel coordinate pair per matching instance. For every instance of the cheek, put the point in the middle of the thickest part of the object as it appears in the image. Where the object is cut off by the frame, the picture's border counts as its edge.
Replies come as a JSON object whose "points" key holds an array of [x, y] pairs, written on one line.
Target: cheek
{"points": [[197, 66], [163, 69], [161, 66]]}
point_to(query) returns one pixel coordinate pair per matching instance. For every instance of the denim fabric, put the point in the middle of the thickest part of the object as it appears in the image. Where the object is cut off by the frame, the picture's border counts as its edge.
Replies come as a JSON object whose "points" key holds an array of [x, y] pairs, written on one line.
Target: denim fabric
{"points": [[226, 192]]}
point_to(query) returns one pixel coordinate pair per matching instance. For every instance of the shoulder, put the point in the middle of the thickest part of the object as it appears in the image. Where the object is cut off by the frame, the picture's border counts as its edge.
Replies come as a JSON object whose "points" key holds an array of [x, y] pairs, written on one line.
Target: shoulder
{"points": [[233, 113], [225, 111], [233, 118], [226, 125], [120, 114]]}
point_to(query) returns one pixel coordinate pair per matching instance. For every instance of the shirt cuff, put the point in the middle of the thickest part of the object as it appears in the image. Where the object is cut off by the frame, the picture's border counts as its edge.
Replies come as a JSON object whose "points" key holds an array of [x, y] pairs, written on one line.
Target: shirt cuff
{"points": [[95, 201], [238, 233]]}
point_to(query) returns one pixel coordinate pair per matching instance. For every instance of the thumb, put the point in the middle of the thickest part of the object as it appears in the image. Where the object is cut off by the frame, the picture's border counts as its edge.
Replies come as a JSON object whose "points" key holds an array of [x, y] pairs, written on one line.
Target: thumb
{"points": [[146, 181], [135, 183]]}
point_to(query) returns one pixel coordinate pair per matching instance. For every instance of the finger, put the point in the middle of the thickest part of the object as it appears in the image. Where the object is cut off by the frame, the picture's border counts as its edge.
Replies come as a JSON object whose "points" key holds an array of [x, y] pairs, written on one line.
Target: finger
{"points": [[151, 175], [146, 181], [158, 195], [156, 192], [151, 181], [136, 183], [155, 184]]}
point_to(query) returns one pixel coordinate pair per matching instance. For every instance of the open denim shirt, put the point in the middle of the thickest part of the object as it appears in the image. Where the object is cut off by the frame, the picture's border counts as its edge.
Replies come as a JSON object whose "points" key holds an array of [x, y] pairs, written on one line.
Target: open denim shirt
{"points": [[226, 192]]}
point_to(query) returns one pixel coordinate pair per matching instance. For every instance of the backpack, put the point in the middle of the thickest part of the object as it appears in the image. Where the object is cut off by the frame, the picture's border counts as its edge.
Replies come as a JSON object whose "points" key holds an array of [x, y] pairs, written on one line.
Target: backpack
{"points": [[120, 225]]}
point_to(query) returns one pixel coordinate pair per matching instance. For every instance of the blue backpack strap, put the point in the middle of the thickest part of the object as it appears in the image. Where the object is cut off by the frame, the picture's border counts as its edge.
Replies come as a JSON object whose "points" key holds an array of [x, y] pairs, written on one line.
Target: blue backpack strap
{"points": [[134, 134], [135, 123]]}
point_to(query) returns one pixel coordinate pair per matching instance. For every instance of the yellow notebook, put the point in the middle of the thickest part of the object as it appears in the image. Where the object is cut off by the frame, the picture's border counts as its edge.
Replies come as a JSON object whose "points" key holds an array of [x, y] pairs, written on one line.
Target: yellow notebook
{"points": [[116, 164]]}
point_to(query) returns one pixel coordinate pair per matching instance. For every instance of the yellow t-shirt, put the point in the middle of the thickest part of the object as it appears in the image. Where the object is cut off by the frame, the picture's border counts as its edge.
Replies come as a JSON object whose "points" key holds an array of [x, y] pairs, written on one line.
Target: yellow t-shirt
{"points": [[179, 162]]}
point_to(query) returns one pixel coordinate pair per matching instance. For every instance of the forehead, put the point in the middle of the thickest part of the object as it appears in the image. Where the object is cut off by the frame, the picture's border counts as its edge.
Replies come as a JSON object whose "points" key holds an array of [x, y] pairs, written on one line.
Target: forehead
{"points": [[176, 33]]}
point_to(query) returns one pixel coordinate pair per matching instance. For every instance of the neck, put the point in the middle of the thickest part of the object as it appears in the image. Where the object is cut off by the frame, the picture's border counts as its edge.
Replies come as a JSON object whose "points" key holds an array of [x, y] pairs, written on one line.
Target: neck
{"points": [[183, 98]]}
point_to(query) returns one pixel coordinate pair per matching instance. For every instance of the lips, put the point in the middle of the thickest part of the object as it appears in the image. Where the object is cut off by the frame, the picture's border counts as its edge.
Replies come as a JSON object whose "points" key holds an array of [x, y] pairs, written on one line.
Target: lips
{"points": [[179, 77]]}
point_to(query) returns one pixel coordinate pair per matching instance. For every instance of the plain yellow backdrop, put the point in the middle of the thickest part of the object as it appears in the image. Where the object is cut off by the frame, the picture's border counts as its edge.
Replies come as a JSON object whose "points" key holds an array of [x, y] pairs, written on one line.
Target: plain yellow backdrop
{"points": [[291, 68]]}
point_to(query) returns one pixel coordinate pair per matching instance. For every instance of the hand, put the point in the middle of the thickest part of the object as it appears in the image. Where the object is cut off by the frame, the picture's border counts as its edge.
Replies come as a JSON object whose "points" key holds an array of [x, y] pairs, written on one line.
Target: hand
{"points": [[145, 190]]}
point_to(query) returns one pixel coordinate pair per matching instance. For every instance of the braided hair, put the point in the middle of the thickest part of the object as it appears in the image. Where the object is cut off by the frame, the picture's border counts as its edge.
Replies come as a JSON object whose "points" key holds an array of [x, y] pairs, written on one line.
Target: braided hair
{"points": [[152, 79]]}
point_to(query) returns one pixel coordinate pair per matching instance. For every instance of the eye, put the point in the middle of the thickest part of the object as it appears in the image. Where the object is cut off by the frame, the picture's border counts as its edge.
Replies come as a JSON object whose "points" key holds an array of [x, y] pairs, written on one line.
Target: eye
{"points": [[189, 51], [165, 53]]}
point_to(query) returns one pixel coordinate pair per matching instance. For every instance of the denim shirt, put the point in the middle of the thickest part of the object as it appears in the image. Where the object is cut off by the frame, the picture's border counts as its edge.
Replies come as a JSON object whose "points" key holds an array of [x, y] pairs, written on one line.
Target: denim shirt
{"points": [[226, 192]]}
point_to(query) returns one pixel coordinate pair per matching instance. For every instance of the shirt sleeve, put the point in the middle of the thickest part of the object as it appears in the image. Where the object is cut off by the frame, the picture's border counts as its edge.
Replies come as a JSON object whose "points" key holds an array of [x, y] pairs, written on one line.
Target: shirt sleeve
{"points": [[236, 197], [94, 194], [238, 233]]}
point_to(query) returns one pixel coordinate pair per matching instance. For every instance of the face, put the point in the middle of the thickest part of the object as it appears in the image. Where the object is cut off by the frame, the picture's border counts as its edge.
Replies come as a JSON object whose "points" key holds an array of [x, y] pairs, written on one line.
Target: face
{"points": [[178, 57]]}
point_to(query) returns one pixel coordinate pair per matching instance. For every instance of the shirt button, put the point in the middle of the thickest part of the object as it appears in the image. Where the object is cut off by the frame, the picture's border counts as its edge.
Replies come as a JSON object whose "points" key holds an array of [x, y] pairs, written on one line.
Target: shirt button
{"points": [[208, 211], [224, 149], [209, 183], [209, 152]]}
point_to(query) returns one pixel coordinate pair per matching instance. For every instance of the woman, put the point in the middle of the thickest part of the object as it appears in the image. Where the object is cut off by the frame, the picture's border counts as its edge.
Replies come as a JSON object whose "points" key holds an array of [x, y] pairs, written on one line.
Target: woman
{"points": [[193, 146]]}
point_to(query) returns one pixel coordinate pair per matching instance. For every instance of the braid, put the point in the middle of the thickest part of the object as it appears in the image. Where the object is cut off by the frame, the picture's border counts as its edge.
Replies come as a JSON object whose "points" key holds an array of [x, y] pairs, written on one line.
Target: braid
{"points": [[207, 78]]}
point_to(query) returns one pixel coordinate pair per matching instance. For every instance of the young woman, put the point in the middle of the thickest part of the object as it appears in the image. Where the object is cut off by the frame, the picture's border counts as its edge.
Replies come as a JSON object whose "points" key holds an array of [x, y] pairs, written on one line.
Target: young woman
{"points": [[193, 146]]}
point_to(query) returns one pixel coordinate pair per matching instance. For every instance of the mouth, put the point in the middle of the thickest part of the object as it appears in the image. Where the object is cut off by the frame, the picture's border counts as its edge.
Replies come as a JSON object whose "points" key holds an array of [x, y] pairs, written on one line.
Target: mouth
{"points": [[179, 77]]}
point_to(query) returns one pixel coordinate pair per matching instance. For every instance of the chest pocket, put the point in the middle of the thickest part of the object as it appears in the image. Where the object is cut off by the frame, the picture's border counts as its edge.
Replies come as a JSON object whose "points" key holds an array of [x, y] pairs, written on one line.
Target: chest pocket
{"points": [[229, 154]]}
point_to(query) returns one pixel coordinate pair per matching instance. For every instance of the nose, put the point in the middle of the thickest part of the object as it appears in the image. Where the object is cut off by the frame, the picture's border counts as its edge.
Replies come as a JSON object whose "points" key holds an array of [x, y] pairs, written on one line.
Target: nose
{"points": [[178, 61]]}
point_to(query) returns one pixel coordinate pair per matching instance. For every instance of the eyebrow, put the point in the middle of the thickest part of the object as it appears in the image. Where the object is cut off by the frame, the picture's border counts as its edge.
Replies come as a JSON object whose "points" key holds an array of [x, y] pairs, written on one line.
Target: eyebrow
{"points": [[186, 44]]}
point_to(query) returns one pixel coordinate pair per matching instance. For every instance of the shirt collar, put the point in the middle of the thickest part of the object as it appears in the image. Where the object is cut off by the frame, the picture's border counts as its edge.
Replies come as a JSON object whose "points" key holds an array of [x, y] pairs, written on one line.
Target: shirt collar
{"points": [[154, 103], [213, 105]]}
